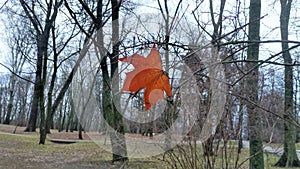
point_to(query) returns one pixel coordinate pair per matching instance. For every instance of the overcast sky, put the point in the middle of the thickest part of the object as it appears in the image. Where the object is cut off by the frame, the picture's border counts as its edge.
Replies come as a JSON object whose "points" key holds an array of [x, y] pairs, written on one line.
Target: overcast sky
{"points": [[269, 26]]}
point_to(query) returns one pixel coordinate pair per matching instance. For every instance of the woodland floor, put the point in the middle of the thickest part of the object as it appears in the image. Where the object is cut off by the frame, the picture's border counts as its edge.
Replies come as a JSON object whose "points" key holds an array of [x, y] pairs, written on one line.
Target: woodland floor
{"points": [[22, 151]]}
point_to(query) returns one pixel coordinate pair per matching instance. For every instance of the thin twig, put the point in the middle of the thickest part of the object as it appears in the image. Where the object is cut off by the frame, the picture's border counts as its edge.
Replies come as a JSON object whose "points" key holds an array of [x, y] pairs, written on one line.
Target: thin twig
{"points": [[19, 76]]}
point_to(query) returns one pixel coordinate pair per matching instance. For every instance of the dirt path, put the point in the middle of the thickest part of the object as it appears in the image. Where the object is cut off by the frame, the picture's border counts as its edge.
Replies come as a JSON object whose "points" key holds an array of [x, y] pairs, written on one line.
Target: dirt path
{"points": [[278, 151]]}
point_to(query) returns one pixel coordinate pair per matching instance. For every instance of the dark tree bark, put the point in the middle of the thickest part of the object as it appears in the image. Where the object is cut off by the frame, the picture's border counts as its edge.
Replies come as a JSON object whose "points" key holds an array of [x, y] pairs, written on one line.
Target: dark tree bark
{"points": [[110, 113], [65, 86], [42, 38], [42, 102], [80, 132], [60, 118], [289, 157], [3, 104], [11, 99], [254, 116], [23, 106], [239, 133], [49, 25], [50, 114], [31, 125], [215, 39], [116, 121], [1, 96], [71, 117]]}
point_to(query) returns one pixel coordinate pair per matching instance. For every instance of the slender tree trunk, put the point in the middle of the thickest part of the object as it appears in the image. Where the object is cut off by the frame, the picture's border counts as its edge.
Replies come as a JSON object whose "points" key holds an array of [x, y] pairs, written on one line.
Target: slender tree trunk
{"points": [[113, 118], [109, 110], [254, 116], [71, 115], [23, 106], [42, 37], [1, 96], [49, 117], [11, 99], [110, 113], [4, 103], [43, 47], [289, 157], [22, 115], [168, 111], [63, 122], [239, 133], [9, 108], [64, 117], [42, 117], [50, 114], [80, 132], [31, 125], [60, 118], [118, 140]]}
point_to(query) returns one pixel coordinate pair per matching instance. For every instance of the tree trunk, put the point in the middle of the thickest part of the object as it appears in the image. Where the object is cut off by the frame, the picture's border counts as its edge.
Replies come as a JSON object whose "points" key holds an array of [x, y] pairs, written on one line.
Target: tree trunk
{"points": [[117, 138], [239, 133], [289, 157], [113, 118], [11, 99], [1, 96], [9, 107], [71, 115], [23, 106], [31, 125], [110, 112], [42, 38], [254, 116], [50, 114], [22, 115], [60, 117], [80, 131], [42, 117], [62, 125], [42, 49]]}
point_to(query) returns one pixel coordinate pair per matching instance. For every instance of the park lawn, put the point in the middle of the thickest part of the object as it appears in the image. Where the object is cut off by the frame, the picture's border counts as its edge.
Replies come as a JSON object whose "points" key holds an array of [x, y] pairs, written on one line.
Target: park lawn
{"points": [[19, 151], [23, 151]]}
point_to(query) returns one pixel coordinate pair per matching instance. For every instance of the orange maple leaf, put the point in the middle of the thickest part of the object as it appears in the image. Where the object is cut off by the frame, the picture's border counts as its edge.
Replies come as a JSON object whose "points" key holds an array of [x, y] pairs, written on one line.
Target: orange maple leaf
{"points": [[148, 74]]}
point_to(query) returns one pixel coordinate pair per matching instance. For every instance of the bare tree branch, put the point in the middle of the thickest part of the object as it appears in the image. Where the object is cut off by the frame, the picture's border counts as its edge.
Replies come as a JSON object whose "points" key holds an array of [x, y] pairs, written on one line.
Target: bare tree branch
{"points": [[14, 73]]}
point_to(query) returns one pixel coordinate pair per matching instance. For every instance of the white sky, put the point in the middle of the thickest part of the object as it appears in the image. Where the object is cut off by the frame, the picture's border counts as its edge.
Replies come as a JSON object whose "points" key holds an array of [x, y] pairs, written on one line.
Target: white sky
{"points": [[3, 48], [269, 25]]}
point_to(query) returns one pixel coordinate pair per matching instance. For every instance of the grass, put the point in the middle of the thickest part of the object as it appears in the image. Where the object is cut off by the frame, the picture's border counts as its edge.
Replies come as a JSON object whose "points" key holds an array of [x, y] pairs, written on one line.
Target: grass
{"points": [[22, 151], [18, 151], [229, 159]]}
